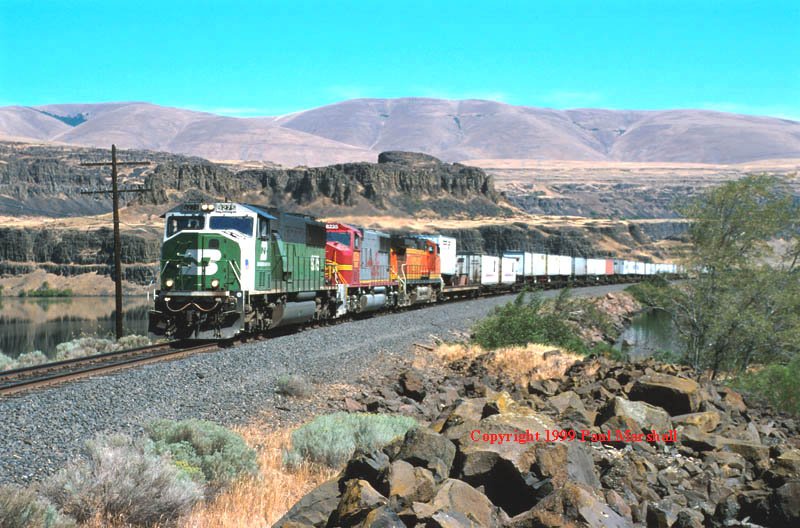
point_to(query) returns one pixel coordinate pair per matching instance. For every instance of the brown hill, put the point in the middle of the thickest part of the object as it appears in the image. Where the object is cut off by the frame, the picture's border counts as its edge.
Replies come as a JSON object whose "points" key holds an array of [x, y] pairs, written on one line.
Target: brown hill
{"points": [[461, 130], [153, 127], [357, 130]]}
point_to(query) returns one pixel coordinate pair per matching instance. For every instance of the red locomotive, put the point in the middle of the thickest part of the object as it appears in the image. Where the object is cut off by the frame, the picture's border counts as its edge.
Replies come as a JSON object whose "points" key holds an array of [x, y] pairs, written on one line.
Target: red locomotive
{"points": [[378, 270]]}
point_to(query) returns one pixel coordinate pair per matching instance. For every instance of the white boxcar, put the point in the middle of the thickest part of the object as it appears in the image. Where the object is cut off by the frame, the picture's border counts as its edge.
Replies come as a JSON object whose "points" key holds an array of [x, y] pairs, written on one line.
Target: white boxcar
{"points": [[468, 269], [523, 262], [564, 265], [596, 267], [552, 265], [649, 268], [508, 273], [579, 266], [639, 268], [539, 265], [630, 267], [490, 270], [619, 267], [447, 252]]}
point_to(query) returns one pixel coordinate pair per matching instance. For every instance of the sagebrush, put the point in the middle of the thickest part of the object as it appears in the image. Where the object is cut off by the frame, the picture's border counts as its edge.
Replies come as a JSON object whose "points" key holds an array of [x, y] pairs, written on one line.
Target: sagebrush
{"points": [[23, 508], [293, 385], [332, 439], [200, 448], [125, 480]]}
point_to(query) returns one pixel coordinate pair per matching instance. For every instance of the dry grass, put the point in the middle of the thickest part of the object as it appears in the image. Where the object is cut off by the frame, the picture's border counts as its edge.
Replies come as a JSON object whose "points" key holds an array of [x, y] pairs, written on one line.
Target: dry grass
{"points": [[260, 501], [519, 364]]}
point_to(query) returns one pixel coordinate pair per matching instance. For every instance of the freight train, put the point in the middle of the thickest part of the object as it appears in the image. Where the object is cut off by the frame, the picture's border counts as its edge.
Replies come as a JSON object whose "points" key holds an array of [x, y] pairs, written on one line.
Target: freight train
{"points": [[229, 269]]}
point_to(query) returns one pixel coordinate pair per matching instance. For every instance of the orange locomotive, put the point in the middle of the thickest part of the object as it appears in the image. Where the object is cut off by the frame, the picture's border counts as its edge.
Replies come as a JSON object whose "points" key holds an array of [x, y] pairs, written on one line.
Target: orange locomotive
{"points": [[415, 259], [377, 270], [416, 266]]}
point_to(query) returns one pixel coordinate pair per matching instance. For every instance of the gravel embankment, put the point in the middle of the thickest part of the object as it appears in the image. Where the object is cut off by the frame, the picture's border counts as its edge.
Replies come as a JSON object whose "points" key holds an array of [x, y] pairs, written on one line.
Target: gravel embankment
{"points": [[44, 429]]}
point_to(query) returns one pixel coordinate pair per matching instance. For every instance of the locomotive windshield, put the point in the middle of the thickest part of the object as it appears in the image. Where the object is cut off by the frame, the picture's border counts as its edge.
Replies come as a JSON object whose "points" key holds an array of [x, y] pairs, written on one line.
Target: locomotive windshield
{"points": [[242, 224], [180, 223], [342, 238]]}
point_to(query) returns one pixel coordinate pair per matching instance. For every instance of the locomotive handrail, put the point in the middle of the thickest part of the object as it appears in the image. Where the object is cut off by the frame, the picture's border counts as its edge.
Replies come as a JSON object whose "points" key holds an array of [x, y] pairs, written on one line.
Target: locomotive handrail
{"points": [[235, 274]]}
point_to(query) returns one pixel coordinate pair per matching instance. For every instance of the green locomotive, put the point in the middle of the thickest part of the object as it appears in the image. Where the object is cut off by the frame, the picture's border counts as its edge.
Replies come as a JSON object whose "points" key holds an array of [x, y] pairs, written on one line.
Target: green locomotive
{"points": [[228, 268]]}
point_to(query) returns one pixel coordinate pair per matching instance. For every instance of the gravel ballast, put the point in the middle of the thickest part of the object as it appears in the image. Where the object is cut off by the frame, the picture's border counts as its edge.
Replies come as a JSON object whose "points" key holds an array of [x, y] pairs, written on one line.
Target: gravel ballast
{"points": [[43, 430]]}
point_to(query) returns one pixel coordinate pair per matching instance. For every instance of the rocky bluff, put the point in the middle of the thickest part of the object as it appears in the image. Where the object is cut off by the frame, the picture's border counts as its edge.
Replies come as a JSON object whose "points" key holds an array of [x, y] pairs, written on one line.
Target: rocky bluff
{"points": [[46, 180], [399, 182], [67, 253]]}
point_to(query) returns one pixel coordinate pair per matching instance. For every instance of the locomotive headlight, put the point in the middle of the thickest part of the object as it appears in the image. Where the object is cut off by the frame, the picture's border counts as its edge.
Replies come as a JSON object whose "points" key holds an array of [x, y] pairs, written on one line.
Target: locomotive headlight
{"points": [[169, 283], [204, 207], [210, 207], [215, 283]]}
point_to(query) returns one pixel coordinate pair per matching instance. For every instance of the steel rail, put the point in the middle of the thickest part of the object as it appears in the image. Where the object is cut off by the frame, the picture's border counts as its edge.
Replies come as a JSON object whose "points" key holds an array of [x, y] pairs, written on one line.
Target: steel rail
{"points": [[177, 353], [107, 363]]}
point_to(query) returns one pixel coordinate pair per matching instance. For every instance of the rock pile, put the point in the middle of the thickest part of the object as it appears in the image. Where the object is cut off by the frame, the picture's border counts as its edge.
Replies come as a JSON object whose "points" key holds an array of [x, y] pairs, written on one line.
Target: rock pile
{"points": [[711, 458]]}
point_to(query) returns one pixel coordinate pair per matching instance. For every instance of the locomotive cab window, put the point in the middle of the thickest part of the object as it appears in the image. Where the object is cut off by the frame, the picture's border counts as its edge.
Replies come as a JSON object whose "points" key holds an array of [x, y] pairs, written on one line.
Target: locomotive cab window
{"points": [[430, 250], [357, 242], [341, 238], [263, 229], [242, 224], [176, 224]]}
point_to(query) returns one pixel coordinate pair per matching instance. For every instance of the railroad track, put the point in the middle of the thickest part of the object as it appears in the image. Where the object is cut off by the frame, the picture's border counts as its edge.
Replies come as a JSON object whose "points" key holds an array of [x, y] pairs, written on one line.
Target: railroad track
{"points": [[46, 374]]}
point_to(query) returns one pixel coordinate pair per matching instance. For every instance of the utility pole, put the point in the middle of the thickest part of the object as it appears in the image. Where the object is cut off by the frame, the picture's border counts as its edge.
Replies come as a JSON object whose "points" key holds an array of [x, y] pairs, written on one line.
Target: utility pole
{"points": [[117, 249]]}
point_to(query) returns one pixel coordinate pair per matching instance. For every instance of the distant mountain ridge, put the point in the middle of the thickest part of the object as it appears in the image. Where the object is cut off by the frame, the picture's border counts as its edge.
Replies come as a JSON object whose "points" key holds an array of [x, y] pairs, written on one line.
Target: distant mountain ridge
{"points": [[357, 130]]}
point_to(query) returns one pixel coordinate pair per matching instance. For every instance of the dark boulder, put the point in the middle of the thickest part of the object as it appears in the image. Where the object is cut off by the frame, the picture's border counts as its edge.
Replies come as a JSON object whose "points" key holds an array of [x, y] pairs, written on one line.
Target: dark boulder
{"points": [[313, 509], [675, 394], [426, 448]]}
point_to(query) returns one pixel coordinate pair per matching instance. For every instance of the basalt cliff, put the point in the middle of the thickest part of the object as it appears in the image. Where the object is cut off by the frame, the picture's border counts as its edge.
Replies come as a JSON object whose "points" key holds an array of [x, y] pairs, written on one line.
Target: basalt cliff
{"points": [[42, 183]]}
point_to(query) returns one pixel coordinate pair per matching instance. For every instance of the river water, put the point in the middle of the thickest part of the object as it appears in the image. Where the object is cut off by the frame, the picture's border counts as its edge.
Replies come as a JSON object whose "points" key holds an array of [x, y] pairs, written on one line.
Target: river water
{"points": [[650, 332], [41, 324]]}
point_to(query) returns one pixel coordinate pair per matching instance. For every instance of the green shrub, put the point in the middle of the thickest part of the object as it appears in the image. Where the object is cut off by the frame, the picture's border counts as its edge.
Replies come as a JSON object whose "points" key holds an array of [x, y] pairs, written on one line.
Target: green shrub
{"points": [[23, 508], [775, 384], [333, 438], [125, 480], [89, 346], [221, 455], [6, 362], [133, 341], [606, 350], [669, 356], [519, 323], [29, 359], [293, 386]]}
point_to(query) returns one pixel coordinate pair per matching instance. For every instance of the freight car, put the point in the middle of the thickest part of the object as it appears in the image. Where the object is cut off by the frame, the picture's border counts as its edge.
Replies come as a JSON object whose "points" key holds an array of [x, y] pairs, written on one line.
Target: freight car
{"points": [[229, 269]]}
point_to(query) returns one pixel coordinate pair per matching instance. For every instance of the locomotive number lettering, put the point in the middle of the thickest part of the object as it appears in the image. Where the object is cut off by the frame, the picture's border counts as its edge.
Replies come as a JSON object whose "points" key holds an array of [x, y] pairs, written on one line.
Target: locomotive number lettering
{"points": [[227, 207], [198, 255], [314, 262]]}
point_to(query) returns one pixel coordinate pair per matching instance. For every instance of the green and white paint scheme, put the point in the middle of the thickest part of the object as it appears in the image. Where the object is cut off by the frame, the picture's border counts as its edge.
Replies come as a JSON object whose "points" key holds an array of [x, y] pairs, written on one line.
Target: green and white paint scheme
{"points": [[194, 253], [230, 267]]}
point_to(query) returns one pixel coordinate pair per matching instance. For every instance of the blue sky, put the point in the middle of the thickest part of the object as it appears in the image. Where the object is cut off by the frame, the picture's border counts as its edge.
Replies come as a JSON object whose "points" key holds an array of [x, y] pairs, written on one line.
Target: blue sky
{"points": [[269, 58]]}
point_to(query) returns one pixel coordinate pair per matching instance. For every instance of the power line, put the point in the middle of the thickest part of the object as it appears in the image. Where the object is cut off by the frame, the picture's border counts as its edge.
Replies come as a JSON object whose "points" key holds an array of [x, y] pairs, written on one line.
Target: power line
{"points": [[117, 245]]}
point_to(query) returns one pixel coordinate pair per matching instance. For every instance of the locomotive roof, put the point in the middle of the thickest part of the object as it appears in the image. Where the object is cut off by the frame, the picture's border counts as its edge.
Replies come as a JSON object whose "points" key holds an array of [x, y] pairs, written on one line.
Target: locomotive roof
{"points": [[259, 210], [360, 230], [254, 208]]}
